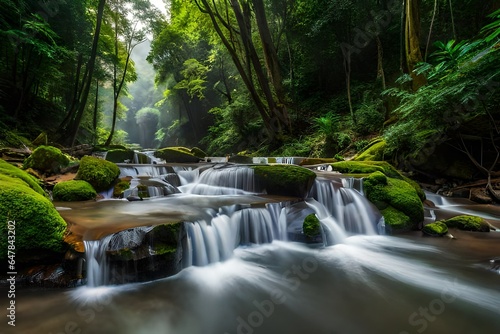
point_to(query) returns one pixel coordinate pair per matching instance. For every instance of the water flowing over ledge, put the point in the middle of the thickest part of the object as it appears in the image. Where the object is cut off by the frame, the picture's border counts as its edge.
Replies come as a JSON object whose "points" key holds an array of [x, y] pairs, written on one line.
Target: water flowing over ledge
{"points": [[243, 265]]}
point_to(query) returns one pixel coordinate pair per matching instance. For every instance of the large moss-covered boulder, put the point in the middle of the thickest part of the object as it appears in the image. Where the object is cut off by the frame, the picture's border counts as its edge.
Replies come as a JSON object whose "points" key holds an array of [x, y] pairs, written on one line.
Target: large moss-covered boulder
{"points": [[365, 168], [101, 174], [14, 172], [468, 223], [437, 229], [284, 180], [120, 155], [47, 159], [373, 152], [31, 218], [391, 195], [74, 190], [177, 155]]}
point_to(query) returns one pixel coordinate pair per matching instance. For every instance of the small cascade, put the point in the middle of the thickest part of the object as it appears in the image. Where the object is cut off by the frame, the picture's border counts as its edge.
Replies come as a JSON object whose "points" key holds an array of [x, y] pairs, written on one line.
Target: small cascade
{"points": [[208, 243], [96, 258], [235, 180], [187, 175], [352, 211], [332, 232], [255, 226]]}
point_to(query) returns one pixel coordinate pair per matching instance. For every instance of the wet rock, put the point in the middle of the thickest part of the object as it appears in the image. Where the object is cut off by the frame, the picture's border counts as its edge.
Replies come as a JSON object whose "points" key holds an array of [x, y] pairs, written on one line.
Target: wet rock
{"points": [[437, 229], [468, 223], [480, 195], [146, 253]]}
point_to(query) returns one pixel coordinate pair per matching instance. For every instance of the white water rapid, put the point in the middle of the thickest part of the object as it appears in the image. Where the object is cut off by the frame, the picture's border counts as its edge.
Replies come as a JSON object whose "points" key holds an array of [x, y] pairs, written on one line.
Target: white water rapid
{"points": [[247, 270]]}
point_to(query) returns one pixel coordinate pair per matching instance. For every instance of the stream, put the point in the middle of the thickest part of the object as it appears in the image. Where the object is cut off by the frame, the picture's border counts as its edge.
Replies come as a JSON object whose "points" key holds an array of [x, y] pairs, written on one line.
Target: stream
{"points": [[244, 271]]}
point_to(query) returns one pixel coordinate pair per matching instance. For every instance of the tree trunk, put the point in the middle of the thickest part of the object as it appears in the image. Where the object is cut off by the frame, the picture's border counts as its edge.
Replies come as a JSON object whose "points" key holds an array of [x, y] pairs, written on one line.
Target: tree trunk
{"points": [[96, 109], [90, 70], [412, 41], [271, 60]]}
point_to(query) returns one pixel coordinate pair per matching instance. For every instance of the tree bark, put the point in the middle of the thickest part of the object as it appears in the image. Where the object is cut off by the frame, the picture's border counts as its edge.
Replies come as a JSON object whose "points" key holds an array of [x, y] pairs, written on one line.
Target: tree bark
{"points": [[412, 41], [90, 70]]}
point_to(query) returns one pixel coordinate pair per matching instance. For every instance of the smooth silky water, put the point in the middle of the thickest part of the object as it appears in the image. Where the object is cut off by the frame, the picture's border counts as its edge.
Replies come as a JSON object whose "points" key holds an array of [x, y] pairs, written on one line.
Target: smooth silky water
{"points": [[243, 273]]}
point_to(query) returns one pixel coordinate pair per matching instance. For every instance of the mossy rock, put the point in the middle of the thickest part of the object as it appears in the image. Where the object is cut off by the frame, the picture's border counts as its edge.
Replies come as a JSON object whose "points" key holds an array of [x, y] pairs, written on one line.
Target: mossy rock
{"points": [[39, 229], [164, 238], [198, 152], [437, 229], [395, 220], [284, 180], [120, 155], [74, 190], [12, 171], [317, 161], [176, 155], [240, 159], [47, 159], [102, 148], [373, 152], [387, 192], [468, 223], [120, 188], [311, 226], [101, 174], [364, 168]]}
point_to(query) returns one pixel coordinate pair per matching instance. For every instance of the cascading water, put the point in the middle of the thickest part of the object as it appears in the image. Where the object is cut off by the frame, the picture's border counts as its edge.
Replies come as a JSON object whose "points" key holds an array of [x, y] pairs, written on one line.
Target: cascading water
{"points": [[361, 283], [96, 258]]}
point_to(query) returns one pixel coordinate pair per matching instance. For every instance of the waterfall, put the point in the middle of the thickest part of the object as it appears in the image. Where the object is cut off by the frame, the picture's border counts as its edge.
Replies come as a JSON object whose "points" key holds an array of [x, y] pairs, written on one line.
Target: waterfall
{"points": [[95, 255], [351, 210], [341, 209], [234, 180], [209, 243]]}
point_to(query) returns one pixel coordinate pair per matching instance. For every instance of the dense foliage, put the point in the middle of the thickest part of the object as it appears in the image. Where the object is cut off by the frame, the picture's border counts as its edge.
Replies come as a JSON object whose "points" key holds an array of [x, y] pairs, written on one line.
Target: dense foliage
{"points": [[288, 77]]}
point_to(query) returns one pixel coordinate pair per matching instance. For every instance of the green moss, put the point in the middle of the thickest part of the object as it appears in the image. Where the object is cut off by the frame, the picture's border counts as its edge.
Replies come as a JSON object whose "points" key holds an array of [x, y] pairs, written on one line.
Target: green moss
{"points": [[12, 139], [396, 220], [100, 173], [102, 148], [468, 223], [387, 192], [285, 180], [363, 168], [198, 152], [317, 161], [120, 155], [120, 187], [38, 225], [374, 151], [162, 249], [165, 238], [74, 190], [13, 171], [437, 229], [311, 226], [176, 154], [47, 159]]}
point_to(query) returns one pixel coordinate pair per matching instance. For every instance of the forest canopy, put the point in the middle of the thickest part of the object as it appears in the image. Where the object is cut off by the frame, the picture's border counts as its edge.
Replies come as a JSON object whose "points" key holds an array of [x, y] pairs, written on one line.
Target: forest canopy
{"points": [[311, 78]]}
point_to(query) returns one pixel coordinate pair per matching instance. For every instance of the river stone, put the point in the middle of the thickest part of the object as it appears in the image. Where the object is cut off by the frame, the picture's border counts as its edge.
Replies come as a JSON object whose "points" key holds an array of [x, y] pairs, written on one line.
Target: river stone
{"points": [[437, 229]]}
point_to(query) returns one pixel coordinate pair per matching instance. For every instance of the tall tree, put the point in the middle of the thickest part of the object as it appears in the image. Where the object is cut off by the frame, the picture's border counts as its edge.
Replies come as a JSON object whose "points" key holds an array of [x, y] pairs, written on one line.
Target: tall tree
{"points": [[72, 129], [232, 21], [412, 41], [125, 16]]}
